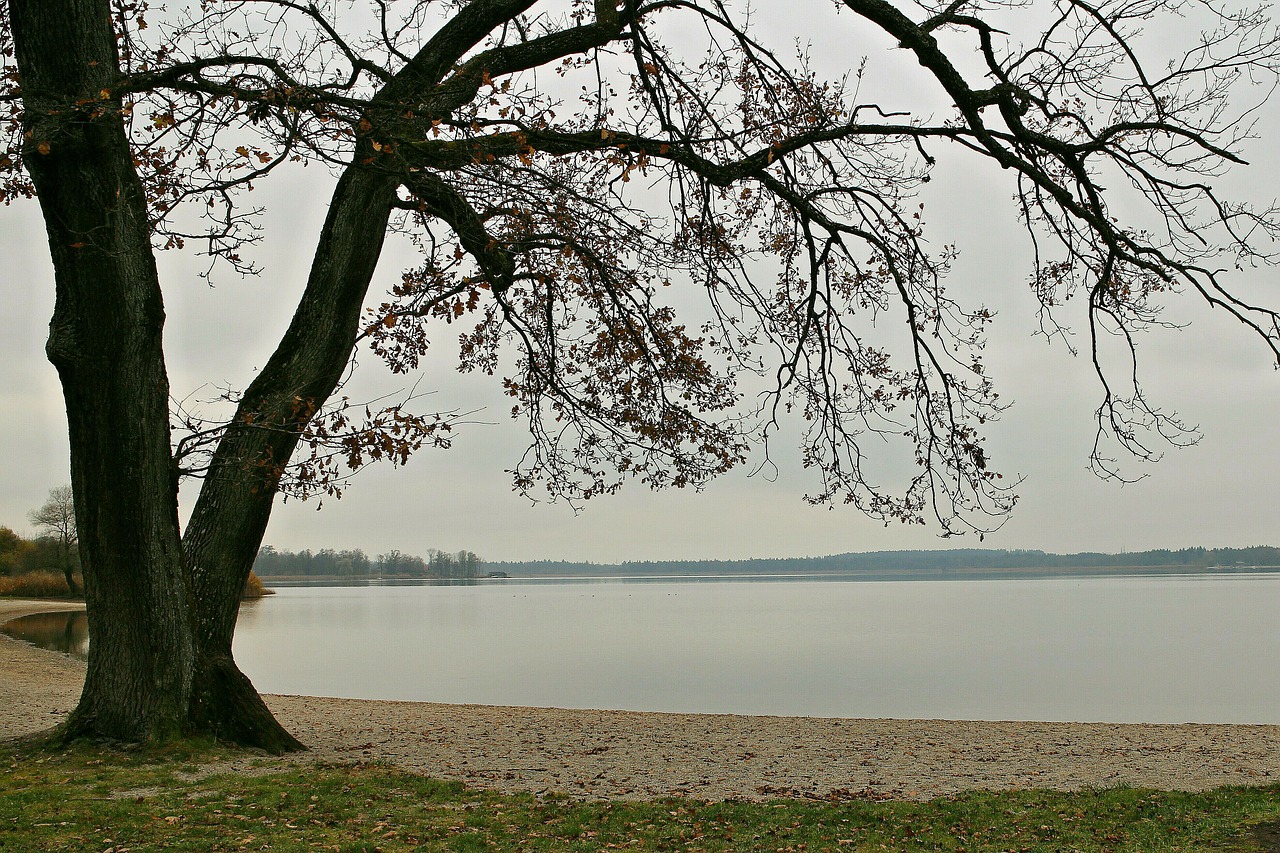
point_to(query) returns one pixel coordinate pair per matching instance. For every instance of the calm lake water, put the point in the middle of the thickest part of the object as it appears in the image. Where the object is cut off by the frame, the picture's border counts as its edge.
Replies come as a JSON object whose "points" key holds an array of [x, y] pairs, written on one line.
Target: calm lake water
{"points": [[1167, 649], [1170, 649]]}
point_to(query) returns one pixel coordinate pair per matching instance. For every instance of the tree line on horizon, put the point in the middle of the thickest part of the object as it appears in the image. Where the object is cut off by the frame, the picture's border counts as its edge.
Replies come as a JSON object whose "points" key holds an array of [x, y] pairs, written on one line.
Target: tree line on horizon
{"points": [[48, 564], [916, 561], [327, 562], [20, 555], [34, 566]]}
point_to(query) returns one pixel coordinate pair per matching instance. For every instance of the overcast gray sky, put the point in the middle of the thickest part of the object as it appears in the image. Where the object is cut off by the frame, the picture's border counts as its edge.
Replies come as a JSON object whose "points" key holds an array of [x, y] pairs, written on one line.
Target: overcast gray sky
{"points": [[1223, 492]]}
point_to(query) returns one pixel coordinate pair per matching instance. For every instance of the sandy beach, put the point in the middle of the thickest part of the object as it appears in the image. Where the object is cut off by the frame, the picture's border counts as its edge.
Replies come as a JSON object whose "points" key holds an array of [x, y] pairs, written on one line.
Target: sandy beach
{"points": [[708, 756]]}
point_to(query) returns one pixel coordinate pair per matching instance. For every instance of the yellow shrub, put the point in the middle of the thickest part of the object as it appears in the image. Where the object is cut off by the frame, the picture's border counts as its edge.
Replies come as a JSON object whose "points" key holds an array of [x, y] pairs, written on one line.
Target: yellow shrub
{"points": [[253, 588]]}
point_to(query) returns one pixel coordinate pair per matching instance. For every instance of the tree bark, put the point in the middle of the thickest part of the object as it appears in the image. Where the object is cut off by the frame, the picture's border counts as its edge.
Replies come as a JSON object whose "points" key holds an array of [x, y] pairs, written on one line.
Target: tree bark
{"points": [[162, 606], [230, 517], [105, 341], [68, 570], [162, 609]]}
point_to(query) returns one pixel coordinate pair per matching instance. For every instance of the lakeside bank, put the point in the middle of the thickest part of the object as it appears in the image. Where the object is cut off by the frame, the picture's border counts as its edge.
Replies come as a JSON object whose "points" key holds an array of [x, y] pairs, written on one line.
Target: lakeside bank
{"points": [[611, 754]]}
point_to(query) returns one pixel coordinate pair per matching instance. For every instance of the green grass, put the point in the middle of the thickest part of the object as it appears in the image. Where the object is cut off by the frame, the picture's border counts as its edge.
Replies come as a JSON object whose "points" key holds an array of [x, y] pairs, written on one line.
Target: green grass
{"points": [[86, 799]]}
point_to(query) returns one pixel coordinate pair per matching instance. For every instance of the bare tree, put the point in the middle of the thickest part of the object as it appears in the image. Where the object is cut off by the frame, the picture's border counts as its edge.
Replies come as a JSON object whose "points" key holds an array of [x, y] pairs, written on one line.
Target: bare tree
{"points": [[56, 518], [565, 167]]}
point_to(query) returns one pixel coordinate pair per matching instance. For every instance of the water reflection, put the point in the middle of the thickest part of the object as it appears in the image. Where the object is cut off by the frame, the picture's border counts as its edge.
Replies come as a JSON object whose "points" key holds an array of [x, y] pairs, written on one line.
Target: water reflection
{"points": [[67, 631], [62, 631]]}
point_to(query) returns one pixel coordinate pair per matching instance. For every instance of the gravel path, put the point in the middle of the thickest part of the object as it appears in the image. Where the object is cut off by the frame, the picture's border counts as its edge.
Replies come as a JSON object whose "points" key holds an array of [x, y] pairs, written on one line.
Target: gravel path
{"points": [[709, 756]]}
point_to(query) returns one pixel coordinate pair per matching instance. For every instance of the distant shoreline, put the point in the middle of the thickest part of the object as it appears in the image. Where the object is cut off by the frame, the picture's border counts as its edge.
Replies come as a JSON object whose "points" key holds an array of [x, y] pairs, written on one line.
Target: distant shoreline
{"points": [[329, 566], [625, 573]]}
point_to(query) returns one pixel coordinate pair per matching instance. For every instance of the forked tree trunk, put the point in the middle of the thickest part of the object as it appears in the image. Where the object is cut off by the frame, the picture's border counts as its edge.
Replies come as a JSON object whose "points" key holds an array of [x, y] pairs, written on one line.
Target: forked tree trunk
{"points": [[105, 341], [162, 608]]}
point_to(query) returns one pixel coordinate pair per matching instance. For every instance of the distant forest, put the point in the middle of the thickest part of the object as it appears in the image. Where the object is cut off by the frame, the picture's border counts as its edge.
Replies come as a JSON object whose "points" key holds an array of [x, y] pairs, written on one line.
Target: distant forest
{"points": [[889, 565], [356, 564], [967, 562]]}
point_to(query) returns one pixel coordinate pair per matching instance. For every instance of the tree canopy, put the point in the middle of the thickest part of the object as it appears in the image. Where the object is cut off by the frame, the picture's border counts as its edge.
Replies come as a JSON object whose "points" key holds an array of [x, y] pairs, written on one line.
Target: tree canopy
{"points": [[572, 171]]}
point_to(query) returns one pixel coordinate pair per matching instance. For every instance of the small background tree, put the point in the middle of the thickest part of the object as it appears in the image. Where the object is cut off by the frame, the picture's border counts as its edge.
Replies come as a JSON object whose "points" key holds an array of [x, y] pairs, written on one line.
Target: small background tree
{"points": [[56, 519]]}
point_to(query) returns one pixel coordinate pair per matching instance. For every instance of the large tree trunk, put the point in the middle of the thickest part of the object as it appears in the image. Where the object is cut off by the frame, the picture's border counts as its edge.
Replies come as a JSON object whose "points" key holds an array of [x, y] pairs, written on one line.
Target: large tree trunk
{"points": [[231, 514], [162, 608], [105, 341]]}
